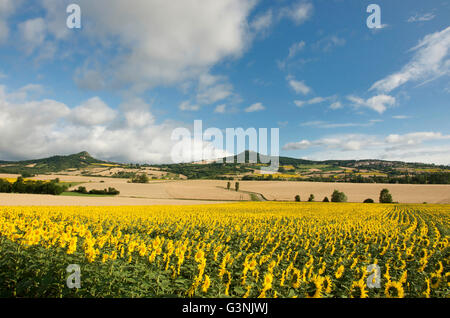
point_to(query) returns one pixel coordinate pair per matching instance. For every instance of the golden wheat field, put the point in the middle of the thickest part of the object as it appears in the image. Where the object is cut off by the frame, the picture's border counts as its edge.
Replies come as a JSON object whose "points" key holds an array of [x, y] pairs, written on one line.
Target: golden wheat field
{"points": [[257, 249]]}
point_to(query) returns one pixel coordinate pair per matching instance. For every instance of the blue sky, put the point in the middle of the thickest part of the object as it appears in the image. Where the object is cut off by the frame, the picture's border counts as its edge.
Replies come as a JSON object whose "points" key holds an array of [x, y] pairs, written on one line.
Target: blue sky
{"points": [[137, 70]]}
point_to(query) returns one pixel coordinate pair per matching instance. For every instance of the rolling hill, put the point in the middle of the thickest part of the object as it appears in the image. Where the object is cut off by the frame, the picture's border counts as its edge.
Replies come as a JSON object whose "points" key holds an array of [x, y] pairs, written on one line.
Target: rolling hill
{"points": [[294, 169]]}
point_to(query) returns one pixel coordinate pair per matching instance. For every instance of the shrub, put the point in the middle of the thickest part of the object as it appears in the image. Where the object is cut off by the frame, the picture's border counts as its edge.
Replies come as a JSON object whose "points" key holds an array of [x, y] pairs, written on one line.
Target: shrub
{"points": [[311, 198], [369, 200], [81, 189], [385, 196], [297, 198], [338, 196], [325, 199], [140, 178]]}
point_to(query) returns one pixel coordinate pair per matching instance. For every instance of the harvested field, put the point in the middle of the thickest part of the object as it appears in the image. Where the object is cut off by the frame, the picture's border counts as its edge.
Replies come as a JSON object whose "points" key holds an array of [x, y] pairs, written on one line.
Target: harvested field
{"points": [[356, 192], [15, 199], [215, 190]]}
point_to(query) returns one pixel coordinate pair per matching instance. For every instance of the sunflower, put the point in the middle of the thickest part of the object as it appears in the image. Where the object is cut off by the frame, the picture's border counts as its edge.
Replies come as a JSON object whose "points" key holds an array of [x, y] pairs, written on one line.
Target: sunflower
{"points": [[206, 284], [314, 287], [199, 256], [296, 278], [435, 279], [427, 291], [327, 285], [358, 289], [423, 254], [439, 268], [394, 290], [339, 272]]}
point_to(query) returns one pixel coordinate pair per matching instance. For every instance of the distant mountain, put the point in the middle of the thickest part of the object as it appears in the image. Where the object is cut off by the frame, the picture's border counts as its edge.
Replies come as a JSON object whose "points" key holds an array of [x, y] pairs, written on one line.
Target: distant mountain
{"points": [[51, 164], [260, 158], [344, 163]]}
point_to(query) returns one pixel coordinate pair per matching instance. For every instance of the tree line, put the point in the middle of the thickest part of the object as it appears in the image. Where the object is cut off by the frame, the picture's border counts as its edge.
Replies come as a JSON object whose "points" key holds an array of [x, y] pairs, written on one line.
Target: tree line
{"points": [[33, 187]]}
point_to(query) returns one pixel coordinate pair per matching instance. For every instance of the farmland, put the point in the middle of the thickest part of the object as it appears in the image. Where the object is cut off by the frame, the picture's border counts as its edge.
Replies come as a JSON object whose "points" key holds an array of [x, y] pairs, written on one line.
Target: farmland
{"points": [[201, 191], [260, 249]]}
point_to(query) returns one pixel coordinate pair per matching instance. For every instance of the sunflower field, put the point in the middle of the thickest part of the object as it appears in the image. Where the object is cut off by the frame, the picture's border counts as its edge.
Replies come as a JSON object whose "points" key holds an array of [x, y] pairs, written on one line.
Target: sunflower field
{"points": [[244, 250]]}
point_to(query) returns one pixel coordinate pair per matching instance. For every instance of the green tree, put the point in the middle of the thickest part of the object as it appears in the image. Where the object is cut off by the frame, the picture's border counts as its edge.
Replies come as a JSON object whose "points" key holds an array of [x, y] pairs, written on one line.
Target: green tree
{"points": [[385, 196], [338, 196], [325, 199], [228, 185], [297, 198], [369, 200], [140, 178], [311, 198], [237, 186]]}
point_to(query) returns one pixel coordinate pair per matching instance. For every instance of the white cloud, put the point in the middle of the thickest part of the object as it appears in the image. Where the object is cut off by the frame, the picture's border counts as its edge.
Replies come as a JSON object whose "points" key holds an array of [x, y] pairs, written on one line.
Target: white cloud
{"points": [[137, 113], [336, 105], [317, 100], [303, 144], [220, 109], [7, 8], [212, 89], [33, 33], [40, 128], [298, 13], [187, 106], [93, 112], [262, 22], [415, 138], [299, 103], [327, 125], [298, 86], [159, 42], [430, 61], [412, 147], [23, 93], [401, 117], [295, 48], [328, 43], [378, 103], [255, 108], [421, 18]]}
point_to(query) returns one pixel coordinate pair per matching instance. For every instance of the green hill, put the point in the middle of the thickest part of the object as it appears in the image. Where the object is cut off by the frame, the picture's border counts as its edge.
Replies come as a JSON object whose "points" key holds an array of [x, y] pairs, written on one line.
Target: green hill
{"points": [[51, 164]]}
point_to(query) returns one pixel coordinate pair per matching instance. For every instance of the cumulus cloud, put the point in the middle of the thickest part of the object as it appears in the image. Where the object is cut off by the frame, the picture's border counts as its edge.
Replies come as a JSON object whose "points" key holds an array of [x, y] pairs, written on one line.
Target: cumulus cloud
{"points": [[318, 100], [298, 86], [33, 33], [401, 117], [298, 12], [220, 109], [328, 43], [212, 89], [187, 106], [336, 105], [430, 61], [413, 147], [159, 42], [93, 112], [255, 108], [39, 128], [262, 22], [295, 48], [378, 103]]}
